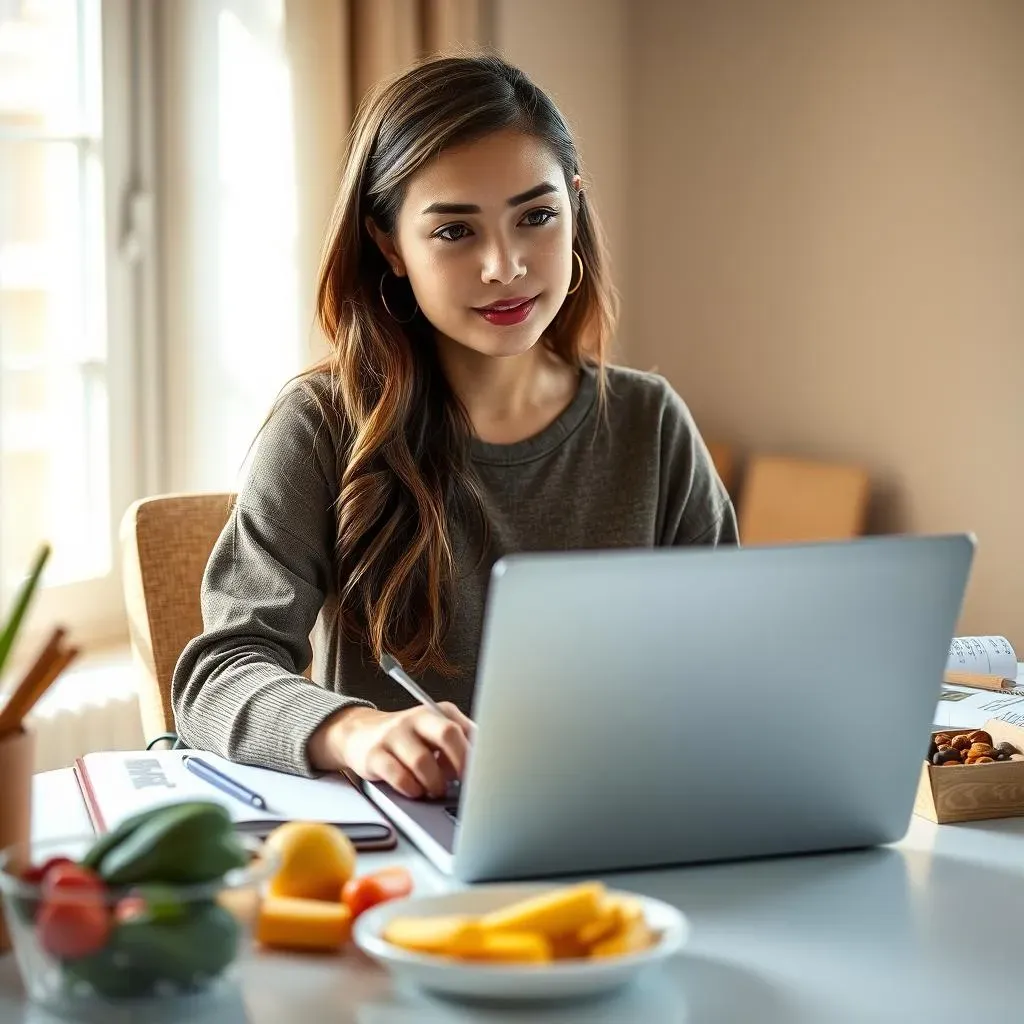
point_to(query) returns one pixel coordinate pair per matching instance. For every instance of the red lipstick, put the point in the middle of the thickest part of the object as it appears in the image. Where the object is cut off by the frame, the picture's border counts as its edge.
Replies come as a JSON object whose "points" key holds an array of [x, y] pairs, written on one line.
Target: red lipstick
{"points": [[508, 312]]}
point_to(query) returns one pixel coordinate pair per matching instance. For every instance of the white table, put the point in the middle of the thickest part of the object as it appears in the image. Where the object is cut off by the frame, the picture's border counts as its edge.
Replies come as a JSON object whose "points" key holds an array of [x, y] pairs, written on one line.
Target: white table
{"points": [[842, 938]]}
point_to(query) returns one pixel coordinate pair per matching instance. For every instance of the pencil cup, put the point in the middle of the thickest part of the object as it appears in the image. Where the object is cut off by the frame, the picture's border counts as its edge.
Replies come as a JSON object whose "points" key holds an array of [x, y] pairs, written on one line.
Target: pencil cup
{"points": [[17, 751]]}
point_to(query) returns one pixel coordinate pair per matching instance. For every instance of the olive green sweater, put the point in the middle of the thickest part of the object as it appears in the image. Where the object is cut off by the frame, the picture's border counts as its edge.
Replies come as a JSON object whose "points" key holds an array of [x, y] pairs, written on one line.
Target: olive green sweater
{"points": [[637, 475]]}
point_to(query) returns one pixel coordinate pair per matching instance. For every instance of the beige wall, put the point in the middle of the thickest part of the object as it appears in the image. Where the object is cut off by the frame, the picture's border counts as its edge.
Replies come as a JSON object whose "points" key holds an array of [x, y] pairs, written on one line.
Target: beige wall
{"points": [[576, 51], [826, 248]]}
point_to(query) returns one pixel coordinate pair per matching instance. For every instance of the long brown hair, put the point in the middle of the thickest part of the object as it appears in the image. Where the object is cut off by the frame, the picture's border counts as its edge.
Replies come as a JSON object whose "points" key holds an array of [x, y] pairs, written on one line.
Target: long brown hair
{"points": [[405, 470]]}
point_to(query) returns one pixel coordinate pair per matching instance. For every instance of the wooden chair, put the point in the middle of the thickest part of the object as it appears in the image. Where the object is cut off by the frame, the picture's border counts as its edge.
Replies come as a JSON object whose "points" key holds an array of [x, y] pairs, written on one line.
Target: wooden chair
{"points": [[165, 543], [788, 500]]}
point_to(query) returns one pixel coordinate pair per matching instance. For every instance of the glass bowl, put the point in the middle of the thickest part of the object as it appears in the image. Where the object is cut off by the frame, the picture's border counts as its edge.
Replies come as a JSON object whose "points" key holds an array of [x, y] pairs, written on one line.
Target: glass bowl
{"points": [[117, 953]]}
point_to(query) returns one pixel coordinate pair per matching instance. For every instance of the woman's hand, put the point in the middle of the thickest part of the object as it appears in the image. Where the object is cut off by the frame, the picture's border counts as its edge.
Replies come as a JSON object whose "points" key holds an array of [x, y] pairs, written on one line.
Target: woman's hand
{"points": [[415, 751]]}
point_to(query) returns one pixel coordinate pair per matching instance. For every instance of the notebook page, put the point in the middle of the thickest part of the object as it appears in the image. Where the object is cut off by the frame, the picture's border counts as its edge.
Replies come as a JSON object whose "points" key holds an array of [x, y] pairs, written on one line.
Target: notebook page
{"points": [[126, 782], [328, 798], [986, 655]]}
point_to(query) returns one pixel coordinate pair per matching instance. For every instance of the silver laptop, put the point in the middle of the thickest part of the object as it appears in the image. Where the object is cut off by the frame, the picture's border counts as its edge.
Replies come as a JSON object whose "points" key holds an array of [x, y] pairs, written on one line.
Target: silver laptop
{"points": [[653, 707]]}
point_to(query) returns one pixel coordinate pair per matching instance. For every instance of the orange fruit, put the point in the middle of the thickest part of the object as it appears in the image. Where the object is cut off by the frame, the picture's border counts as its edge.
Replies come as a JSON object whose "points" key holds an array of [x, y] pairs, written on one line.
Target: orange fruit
{"points": [[316, 860]]}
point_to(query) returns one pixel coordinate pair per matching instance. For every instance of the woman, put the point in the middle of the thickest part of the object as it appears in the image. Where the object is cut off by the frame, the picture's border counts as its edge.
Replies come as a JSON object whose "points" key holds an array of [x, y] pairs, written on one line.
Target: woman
{"points": [[465, 411]]}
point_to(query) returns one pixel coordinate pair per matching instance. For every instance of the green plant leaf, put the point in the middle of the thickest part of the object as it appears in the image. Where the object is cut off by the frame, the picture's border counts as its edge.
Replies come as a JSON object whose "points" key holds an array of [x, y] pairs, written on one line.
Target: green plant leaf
{"points": [[21, 603]]}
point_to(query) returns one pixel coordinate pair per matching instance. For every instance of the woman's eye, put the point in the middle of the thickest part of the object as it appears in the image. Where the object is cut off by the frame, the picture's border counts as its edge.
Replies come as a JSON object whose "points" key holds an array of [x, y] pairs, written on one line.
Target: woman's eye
{"points": [[533, 219], [538, 218], [452, 233]]}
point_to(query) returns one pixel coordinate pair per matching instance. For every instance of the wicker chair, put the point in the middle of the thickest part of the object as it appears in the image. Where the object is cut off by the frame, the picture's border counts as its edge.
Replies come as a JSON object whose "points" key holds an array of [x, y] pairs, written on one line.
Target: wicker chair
{"points": [[165, 543]]}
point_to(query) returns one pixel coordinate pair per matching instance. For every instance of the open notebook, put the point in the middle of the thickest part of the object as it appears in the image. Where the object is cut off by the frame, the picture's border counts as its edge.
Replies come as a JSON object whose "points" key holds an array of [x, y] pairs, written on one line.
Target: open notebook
{"points": [[117, 784], [991, 657]]}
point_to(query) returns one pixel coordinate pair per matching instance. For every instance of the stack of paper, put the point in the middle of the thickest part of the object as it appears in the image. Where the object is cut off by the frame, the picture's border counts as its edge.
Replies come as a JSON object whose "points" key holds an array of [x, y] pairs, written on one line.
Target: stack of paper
{"points": [[962, 707]]}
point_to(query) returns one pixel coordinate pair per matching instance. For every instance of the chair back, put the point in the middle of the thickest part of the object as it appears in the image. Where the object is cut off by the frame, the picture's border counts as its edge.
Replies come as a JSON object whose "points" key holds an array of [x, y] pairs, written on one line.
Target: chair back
{"points": [[789, 500], [726, 464], [166, 542]]}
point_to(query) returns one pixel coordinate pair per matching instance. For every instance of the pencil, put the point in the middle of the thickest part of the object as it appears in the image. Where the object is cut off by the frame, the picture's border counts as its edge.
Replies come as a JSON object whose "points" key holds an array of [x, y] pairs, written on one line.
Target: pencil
{"points": [[978, 680], [50, 662]]}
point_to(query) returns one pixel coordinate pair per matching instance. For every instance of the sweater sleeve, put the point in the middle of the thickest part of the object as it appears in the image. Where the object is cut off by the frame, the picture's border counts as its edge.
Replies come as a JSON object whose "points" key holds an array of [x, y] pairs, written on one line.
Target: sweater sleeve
{"points": [[237, 688], [696, 508]]}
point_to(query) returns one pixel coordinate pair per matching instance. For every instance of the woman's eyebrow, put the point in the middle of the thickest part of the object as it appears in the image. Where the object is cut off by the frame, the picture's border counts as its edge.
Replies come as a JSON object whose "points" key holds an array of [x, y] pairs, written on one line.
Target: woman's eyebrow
{"points": [[543, 189]]}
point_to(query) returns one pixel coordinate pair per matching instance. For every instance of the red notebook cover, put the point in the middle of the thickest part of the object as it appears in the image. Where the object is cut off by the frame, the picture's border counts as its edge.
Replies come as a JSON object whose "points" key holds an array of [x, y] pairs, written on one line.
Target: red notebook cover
{"points": [[92, 806]]}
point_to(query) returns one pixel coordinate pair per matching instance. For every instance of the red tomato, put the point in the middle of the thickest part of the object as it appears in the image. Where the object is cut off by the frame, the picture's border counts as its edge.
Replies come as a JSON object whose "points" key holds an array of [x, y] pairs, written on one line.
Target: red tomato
{"points": [[74, 919], [359, 894], [34, 875], [69, 878]]}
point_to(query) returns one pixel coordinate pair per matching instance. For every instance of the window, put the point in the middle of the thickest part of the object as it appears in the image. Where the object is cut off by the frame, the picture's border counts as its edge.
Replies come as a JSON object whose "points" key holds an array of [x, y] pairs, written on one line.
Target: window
{"points": [[65, 304]]}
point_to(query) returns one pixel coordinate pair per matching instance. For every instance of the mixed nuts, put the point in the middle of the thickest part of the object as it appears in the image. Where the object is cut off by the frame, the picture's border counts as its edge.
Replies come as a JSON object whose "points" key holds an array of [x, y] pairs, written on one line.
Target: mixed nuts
{"points": [[973, 747]]}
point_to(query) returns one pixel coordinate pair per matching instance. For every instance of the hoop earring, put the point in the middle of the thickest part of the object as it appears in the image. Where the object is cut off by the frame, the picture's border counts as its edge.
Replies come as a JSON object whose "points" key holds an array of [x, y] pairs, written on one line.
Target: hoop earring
{"points": [[415, 305], [579, 260]]}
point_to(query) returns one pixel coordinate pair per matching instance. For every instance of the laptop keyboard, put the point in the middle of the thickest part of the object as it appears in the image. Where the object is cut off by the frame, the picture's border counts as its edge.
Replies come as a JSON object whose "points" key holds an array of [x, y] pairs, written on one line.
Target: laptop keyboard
{"points": [[451, 807]]}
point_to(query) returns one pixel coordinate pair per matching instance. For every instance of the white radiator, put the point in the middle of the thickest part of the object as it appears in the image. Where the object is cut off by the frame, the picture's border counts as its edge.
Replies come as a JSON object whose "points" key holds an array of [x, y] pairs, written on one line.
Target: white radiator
{"points": [[92, 707]]}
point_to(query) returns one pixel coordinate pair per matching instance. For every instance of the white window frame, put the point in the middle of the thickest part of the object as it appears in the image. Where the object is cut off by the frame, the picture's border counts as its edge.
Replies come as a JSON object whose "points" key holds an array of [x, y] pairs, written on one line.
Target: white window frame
{"points": [[93, 610]]}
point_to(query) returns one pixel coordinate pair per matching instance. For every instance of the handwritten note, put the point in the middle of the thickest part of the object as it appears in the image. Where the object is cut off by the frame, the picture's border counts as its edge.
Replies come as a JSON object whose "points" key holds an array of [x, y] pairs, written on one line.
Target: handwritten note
{"points": [[987, 655]]}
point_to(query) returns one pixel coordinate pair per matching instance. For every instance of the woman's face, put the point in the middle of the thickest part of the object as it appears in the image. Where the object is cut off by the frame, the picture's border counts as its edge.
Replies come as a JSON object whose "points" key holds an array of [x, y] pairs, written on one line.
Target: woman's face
{"points": [[485, 238]]}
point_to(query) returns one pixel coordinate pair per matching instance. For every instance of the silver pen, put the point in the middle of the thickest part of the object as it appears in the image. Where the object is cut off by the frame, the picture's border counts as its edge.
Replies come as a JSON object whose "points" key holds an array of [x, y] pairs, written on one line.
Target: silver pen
{"points": [[392, 668]]}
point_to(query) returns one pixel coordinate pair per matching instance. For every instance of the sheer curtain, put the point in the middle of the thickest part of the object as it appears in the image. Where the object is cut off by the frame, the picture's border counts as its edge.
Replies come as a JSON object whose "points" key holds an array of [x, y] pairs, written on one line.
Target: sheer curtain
{"points": [[255, 98], [387, 35]]}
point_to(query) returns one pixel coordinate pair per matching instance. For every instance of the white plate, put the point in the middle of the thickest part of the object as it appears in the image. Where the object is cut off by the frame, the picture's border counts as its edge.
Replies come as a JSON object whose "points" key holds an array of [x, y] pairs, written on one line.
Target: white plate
{"points": [[557, 980]]}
